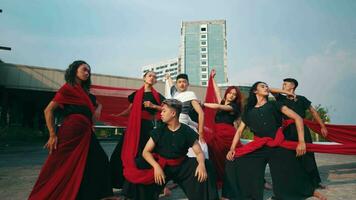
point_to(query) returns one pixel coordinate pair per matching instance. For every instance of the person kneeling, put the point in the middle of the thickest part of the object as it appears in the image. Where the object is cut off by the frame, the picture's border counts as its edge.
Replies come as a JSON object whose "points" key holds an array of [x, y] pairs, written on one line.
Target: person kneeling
{"points": [[166, 152]]}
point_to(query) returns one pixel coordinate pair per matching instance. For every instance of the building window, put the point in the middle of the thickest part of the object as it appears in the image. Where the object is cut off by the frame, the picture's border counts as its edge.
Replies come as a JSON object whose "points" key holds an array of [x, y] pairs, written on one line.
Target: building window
{"points": [[203, 76], [203, 49], [203, 55], [204, 69], [203, 83], [203, 28], [203, 36], [203, 43], [173, 64], [203, 62]]}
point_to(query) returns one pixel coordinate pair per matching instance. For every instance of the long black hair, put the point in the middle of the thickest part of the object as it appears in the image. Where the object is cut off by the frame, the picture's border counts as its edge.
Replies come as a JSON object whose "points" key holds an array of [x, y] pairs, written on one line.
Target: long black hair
{"points": [[71, 74], [252, 99]]}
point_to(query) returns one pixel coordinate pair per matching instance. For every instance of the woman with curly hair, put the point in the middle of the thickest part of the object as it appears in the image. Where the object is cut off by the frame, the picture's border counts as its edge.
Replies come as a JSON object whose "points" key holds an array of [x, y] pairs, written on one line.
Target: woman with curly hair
{"points": [[77, 166]]}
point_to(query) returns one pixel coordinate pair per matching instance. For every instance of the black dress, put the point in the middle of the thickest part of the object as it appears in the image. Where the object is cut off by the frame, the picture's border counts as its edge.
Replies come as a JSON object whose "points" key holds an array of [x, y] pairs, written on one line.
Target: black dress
{"points": [[219, 147], [228, 117], [245, 175], [118, 180], [300, 106], [96, 183], [175, 144]]}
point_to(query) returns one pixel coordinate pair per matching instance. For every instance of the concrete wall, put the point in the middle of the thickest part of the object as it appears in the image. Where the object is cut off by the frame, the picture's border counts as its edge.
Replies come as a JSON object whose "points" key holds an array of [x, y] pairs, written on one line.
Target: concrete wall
{"points": [[46, 79]]}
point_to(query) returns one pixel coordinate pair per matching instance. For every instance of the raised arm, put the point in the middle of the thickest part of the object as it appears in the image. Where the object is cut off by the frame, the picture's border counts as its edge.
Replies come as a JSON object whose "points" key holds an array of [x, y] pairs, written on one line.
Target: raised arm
{"points": [[316, 116], [231, 154], [216, 88], [169, 79], [276, 92], [301, 148], [49, 117], [218, 106], [159, 176]]}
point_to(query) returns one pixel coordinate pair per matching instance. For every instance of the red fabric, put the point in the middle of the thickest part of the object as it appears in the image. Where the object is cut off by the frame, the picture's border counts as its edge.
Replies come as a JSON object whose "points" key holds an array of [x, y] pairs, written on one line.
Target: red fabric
{"points": [[167, 162], [345, 147], [146, 115], [114, 101], [62, 173], [218, 136], [75, 95], [130, 145], [344, 134]]}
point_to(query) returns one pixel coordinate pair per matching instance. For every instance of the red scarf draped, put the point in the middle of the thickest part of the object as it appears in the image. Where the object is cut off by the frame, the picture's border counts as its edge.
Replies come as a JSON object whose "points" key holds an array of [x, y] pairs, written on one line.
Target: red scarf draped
{"points": [[345, 135], [74, 95], [218, 136], [132, 137], [61, 175], [209, 113]]}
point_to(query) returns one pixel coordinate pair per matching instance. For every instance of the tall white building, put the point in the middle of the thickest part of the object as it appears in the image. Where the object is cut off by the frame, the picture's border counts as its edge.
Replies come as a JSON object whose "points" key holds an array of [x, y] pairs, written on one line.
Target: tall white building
{"points": [[161, 68], [203, 48]]}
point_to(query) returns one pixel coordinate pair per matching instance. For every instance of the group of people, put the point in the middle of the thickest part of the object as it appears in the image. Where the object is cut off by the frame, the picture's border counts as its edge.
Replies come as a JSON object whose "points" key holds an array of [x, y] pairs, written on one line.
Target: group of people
{"points": [[178, 138]]}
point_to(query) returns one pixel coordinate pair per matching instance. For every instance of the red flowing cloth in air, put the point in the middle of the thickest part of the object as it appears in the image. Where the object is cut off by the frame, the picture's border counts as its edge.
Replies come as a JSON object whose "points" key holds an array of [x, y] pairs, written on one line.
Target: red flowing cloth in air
{"points": [[114, 101], [62, 173], [218, 136], [344, 135], [132, 137]]}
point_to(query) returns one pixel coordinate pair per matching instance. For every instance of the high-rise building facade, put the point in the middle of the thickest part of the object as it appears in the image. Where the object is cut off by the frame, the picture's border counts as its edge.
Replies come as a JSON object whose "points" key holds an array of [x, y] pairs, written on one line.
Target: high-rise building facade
{"points": [[161, 68], [203, 48]]}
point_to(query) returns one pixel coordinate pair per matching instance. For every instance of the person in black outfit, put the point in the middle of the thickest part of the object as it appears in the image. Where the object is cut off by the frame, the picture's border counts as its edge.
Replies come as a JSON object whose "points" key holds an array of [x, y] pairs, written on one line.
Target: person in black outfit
{"points": [[171, 142], [244, 174], [148, 122], [300, 105]]}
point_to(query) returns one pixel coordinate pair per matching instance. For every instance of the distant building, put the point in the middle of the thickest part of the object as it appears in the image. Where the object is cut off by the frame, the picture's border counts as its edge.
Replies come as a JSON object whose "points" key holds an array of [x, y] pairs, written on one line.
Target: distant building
{"points": [[161, 68], [202, 48]]}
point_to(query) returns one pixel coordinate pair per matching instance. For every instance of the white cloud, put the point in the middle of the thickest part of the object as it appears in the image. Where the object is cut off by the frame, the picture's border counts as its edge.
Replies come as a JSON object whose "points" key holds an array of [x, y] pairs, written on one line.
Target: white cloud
{"points": [[328, 78]]}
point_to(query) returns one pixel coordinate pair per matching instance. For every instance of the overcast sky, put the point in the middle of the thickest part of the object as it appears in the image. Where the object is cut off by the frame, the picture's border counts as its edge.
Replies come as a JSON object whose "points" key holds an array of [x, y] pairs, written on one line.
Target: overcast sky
{"points": [[313, 41]]}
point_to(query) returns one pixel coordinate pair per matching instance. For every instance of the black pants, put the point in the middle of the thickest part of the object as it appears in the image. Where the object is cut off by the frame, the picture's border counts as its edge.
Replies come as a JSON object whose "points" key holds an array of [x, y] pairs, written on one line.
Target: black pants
{"points": [[96, 182], [184, 176], [130, 190], [307, 160], [244, 177]]}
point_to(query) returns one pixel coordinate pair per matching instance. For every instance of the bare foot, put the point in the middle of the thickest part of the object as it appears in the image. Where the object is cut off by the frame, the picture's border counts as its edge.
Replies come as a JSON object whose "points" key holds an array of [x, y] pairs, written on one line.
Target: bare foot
{"points": [[172, 186], [166, 192], [268, 186], [318, 195]]}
